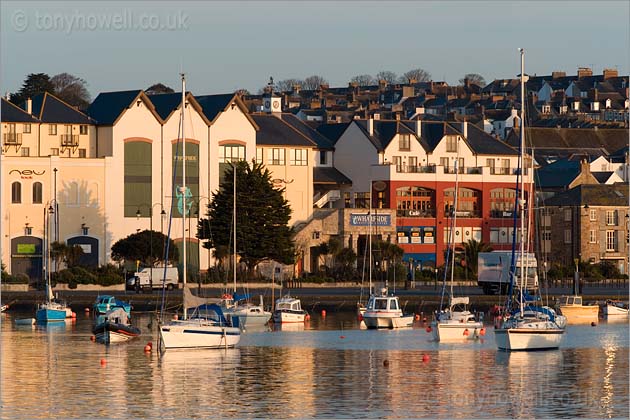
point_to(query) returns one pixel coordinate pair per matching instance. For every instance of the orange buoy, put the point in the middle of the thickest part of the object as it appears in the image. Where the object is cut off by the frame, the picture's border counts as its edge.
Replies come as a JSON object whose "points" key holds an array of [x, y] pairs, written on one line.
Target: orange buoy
{"points": [[74, 314], [482, 332], [175, 317], [103, 362], [416, 317], [324, 313], [466, 333], [147, 348], [307, 317], [342, 336], [87, 309], [429, 329], [92, 338], [425, 358]]}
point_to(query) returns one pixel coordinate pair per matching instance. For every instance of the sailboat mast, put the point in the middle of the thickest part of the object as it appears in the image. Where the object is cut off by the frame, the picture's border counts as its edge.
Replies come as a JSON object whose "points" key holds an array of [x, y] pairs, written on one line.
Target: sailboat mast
{"points": [[370, 238], [183, 190], [521, 166], [234, 225]]}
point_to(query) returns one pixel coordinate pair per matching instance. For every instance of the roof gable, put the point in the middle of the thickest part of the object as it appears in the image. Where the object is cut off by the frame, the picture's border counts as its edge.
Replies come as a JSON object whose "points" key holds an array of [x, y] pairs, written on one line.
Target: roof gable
{"points": [[273, 131], [50, 109], [107, 108], [13, 113]]}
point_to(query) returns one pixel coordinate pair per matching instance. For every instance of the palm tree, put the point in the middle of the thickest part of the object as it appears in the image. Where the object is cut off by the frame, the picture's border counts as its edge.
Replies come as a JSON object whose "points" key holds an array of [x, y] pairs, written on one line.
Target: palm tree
{"points": [[472, 248]]}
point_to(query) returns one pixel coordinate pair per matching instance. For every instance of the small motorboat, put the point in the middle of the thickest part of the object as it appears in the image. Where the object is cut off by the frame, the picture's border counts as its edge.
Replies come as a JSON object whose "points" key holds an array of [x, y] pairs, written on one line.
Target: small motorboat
{"points": [[114, 326], [106, 302], [615, 308], [288, 309]]}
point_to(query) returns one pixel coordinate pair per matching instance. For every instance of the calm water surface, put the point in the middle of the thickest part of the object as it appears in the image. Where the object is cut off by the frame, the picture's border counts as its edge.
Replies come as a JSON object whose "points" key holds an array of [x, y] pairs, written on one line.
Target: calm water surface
{"points": [[328, 368]]}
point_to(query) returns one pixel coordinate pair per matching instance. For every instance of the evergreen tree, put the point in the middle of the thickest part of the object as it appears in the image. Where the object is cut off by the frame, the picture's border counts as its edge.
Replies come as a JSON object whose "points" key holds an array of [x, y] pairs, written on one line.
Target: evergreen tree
{"points": [[35, 83], [262, 217], [146, 246]]}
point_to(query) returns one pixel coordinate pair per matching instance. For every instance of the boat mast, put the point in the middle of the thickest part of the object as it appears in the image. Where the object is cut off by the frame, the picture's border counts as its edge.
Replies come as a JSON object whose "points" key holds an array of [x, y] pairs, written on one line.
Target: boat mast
{"points": [[234, 225], [370, 238], [521, 166], [183, 189], [454, 225]]}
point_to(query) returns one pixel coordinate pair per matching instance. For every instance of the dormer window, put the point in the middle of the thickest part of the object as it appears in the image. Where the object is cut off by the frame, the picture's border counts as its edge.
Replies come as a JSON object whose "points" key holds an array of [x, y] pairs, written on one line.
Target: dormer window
{"points": [[451, 144], [608, 103], [594, 106], [563, 109], [576, 106], [546, 109], [404, 142]]}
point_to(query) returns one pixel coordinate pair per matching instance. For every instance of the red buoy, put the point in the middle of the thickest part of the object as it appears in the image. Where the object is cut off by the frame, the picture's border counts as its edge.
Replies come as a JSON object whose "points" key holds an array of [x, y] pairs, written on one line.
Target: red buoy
{"points": [[417, 317], [175, 317], [92, 338], [342, 336], [147, 348], [103, 362], [74, 314], [466, 333], [482, 332], [87, 309], [324, 313], [150, 345], [307, 317], [425, 358], [429, 329]]}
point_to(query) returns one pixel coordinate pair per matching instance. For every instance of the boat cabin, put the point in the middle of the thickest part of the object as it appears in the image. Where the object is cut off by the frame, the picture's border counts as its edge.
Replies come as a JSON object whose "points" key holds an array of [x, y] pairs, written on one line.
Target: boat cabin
{"points": [[383, 303], [289, 304], [571, 300]]}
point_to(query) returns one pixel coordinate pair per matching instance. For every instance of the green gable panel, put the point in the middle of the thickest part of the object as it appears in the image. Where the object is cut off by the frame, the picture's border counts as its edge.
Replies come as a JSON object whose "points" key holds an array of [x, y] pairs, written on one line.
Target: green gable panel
{"points": [[137, 177]]}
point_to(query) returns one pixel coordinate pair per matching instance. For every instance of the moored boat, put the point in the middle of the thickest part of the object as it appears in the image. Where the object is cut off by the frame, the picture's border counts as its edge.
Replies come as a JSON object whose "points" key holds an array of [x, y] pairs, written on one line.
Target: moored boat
{"points": [[289, 310], [615, 308], [457, 323], [576, 312], [383, 311], [104, 303], [114, 326]]}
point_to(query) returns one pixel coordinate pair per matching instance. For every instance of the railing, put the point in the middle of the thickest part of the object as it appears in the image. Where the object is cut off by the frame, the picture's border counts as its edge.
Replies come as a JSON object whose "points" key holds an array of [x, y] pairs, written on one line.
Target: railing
{"points": [[407, 169], [12, 139], [332, 195], [69, 139]]}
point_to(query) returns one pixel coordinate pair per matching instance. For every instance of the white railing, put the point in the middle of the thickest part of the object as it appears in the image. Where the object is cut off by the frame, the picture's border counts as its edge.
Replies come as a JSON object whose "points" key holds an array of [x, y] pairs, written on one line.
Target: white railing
{"points": [[332, 195]]}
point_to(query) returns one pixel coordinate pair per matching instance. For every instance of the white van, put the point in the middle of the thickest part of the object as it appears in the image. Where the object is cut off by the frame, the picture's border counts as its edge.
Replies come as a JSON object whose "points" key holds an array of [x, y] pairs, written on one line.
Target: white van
{"points": [[152, 278]]}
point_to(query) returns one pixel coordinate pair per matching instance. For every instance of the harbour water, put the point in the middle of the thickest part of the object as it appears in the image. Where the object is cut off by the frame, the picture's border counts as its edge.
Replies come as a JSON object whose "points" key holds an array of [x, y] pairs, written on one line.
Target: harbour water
{"points": [[328, 368]]}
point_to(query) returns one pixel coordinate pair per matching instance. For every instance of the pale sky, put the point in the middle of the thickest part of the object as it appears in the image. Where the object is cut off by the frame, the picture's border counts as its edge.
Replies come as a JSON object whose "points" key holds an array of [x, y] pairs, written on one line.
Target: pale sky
{"points": [[223, 46]]}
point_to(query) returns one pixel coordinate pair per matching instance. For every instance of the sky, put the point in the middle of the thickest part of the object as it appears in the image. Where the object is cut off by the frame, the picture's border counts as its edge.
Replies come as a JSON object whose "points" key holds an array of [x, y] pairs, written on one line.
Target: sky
{"points": [[225, 46]]}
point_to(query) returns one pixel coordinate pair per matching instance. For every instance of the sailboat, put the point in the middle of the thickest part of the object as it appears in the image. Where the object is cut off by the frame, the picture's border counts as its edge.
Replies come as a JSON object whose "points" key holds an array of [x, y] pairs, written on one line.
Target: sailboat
{"points": [[530, 326], [383, 309], [238, 311], [455, 322], [51, 310], [207, 327]]}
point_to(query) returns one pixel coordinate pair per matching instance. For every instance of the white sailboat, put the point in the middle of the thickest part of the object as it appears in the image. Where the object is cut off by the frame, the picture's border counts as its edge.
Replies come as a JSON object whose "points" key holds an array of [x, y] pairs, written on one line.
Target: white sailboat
{"points": [[530, 326], [239, 312], [382, 310], [456, 322], [207, 326]]}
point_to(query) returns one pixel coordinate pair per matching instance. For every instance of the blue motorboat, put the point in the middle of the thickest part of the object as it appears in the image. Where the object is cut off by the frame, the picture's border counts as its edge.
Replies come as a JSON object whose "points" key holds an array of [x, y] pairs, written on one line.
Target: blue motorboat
{"points": [[105, 303]]}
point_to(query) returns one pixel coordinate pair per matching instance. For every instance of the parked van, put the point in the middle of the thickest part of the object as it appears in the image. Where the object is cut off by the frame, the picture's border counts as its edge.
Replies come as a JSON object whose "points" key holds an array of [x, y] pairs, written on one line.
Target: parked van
{"points": [[493, 272], [151, 278]]}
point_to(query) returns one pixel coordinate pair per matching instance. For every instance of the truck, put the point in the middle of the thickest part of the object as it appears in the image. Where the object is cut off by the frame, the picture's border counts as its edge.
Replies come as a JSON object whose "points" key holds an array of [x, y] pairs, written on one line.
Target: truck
{"points": [[151, 278], [493, 272]]}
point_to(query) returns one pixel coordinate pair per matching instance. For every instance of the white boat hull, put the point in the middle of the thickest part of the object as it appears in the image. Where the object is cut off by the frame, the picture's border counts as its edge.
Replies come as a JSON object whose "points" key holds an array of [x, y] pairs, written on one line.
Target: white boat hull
{"points": [[198, 334], [248, 320], [376, 320], [288, 317], [456, 331], [613, 310], [528, 338]]}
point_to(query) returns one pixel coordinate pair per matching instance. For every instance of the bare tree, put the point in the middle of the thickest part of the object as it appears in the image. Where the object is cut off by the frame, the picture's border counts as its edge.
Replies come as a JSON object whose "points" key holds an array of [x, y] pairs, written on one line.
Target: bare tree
{"points": [[389, 76], [474, 78], [419, 75], [314, 82], [287, 85], [71, 89], [158, 88], [364, 80]]}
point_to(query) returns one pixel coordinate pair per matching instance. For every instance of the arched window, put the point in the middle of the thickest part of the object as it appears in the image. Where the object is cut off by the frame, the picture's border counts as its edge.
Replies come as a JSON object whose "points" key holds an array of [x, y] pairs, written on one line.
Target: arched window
{"points": [[415, 202], [468, 202], [16, 193], [37, 193]]}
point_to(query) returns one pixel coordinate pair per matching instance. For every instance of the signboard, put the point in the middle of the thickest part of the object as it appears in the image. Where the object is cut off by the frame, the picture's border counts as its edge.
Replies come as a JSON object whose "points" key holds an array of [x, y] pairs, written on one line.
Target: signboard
{"points": [[363, 219], [25, 248], [428, 236], [87, 248]]}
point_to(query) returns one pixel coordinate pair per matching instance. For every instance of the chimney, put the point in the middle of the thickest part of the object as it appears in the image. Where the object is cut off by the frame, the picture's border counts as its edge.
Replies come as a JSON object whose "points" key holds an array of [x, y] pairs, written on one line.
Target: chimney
{"points": [[29, 106], [370, 126], [584, 72], [419, 128], [7, 95], [558, 74], [465, 124], [609, 73], [585, 168]]}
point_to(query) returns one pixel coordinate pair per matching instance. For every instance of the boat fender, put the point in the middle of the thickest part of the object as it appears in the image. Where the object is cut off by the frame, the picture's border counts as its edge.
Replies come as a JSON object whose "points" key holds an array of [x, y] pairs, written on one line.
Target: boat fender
{"points": [[466, 333], [482, 332]]}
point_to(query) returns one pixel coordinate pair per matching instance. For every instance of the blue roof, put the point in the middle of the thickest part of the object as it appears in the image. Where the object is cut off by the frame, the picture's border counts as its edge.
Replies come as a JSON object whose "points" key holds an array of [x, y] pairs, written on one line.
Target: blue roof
{"points": [[275, 131], [166, 103], [51, 109], [108, 106], [13, 113], [212, 105]]}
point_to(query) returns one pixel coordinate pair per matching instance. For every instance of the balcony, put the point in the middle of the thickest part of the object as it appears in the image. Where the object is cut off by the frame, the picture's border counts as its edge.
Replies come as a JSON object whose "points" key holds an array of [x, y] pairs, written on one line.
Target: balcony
{"points": [[12, 139], [406, 169], [69, 140]]}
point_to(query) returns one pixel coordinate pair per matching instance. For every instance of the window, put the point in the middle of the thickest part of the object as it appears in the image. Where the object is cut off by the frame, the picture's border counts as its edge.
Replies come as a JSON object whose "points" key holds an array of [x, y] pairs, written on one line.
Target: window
{"points": [[298, 157], [567, 236], [593, 215], [37, 193], [398, 163], [259, 156], [276, 157], [611, 241], [54, 151], [362, 200], [592, 238], [611, 217], [25, 151], [28, 231], [83, 129], [490, 164], [444, 162], [322, 157], [413, 163], [82, 153], [546, 235], [505, 166], [451, 144], [27, 128], [52, 129], [567, 215], [346, 200], [404, 142], [16, 193], [415, 202], [494, 235], [231, 153]]}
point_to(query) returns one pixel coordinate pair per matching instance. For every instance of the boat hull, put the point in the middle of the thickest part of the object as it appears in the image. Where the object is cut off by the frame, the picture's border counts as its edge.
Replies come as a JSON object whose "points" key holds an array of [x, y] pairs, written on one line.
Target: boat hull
{"points": [[615, 311], [380, 320], [198, 334], [109, 332], [580, 314], [456, 331], [248, 320], [528, 338], [288, 317], [46, 314]]}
